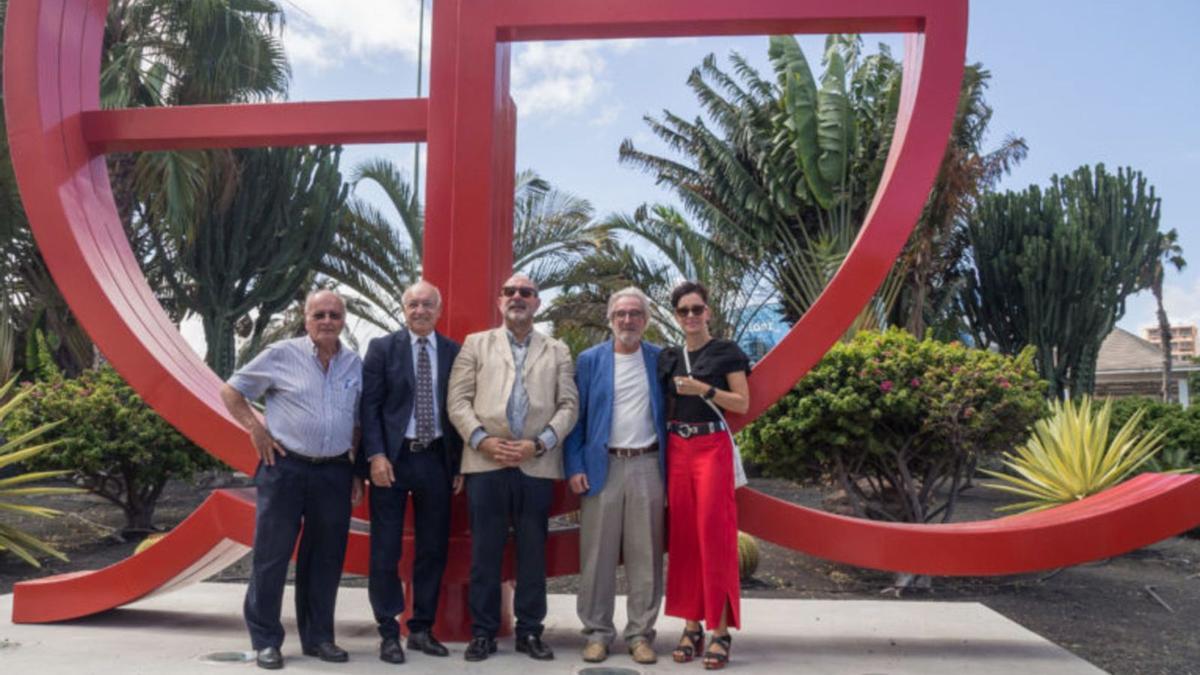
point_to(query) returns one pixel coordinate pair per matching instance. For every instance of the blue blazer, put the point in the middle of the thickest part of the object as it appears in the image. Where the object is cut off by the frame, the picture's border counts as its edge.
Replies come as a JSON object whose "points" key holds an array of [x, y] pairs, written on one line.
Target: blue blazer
{"points": [[586, 448]]}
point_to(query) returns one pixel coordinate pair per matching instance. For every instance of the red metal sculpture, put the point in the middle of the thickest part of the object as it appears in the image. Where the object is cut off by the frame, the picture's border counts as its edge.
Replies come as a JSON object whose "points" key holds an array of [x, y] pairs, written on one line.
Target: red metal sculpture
{"points": [[59, 136]]}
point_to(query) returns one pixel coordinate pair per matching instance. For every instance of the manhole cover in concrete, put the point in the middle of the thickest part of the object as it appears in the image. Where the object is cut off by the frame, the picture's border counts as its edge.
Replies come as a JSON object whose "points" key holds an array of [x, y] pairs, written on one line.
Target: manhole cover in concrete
{"points": [[609, 671], [228, 657]]}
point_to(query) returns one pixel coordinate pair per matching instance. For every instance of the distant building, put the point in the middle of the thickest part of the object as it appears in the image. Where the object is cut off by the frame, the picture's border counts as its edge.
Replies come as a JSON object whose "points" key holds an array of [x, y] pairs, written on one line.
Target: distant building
{"points": [[764, 330], [1130, 366], [1183, 340]]}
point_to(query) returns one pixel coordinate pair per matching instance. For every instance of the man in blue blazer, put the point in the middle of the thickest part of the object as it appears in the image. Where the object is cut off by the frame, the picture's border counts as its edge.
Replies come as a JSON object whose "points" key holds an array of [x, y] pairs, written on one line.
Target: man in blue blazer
{"points": [[409, 447], [614, 459]]}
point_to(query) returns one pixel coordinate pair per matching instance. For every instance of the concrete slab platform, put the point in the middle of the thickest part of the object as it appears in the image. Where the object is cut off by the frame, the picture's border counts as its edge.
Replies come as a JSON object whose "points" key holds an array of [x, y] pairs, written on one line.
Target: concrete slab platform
{"points": [[176, 632]]}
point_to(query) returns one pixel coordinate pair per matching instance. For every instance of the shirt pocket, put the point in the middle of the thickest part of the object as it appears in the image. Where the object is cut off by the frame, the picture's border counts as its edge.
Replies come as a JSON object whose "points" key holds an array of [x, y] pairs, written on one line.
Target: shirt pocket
{"points": [[347, 394]]}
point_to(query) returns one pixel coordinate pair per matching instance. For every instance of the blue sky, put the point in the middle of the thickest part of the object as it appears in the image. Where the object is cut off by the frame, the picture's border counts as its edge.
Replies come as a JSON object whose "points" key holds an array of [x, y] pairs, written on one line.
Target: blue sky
{"points": [[1082, 82]]}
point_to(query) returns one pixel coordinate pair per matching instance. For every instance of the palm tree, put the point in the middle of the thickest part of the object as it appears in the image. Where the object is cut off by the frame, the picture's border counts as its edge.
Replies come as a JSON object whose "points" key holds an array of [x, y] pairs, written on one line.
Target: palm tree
{"points": [[1169, 253], [183, 52], [377, 260], [785, 175]]}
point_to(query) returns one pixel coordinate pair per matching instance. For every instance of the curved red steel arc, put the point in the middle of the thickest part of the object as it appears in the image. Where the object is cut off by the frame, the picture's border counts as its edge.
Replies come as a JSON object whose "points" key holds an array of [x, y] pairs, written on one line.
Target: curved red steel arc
{"points": [[58, 136]]}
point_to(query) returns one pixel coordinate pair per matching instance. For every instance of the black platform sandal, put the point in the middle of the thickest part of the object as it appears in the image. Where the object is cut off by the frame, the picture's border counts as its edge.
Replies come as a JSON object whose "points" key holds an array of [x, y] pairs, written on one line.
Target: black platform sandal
{"points": [[690, 644], [714, 660]]}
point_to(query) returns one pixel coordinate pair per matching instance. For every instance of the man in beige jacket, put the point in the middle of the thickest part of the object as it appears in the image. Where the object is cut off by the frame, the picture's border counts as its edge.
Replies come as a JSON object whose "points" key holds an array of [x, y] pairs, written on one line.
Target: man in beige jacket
{"points": [[512, 394]]}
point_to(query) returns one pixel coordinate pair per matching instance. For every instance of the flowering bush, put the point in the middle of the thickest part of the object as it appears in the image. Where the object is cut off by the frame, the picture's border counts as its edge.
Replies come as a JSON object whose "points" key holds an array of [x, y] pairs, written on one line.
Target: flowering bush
{"points": [[898, 423], [117, 446]]}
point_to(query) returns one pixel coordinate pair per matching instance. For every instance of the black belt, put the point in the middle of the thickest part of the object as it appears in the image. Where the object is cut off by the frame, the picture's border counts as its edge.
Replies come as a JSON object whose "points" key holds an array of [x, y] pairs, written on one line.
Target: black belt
{"points": [[413, 445], [687, 429], [626, 453], [309, 459]]}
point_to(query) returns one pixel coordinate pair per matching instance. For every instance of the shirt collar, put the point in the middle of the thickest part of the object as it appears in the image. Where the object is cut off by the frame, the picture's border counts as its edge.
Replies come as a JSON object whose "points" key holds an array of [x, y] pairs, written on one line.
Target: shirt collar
{"points": [[512, 339], [312, 347], [413, 338]]}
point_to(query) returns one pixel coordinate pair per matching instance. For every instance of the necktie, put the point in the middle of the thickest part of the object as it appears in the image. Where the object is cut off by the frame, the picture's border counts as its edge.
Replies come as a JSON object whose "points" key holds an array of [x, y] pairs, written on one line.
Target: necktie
{"points": [[425, 425]]}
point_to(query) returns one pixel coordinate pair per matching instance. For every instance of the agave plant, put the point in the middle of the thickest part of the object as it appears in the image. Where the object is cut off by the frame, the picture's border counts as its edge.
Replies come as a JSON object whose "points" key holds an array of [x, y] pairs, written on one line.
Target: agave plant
{"points": [[1070, 455], [21, 544]]}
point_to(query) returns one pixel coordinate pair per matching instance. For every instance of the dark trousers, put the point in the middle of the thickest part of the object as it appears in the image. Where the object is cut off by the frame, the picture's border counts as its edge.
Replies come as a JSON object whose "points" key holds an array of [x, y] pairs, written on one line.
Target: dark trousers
{"points": [[424, 475], [290, 492], [497, 499]]}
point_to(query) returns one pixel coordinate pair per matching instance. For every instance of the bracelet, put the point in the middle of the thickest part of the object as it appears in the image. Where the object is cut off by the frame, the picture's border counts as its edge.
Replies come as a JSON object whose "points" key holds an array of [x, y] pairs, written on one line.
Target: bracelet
{"points": [[710, 394]]}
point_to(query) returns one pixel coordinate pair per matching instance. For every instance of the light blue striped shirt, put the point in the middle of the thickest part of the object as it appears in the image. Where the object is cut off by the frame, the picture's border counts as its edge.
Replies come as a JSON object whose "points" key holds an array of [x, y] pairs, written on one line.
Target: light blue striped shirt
{"points": [[309, 410]]}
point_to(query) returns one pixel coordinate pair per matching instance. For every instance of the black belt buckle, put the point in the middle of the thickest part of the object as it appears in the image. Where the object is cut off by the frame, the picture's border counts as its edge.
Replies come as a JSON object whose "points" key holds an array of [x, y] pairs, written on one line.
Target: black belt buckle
{"points": [[686, 430], [417, 446]]}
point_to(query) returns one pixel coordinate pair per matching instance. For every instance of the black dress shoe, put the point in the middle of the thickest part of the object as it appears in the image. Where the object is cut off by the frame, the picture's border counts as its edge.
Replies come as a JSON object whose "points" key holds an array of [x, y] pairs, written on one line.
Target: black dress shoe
{"points": [[533, 646], [391, 651], [269, 658], [327, 651], [480, 648], [424, 642]]}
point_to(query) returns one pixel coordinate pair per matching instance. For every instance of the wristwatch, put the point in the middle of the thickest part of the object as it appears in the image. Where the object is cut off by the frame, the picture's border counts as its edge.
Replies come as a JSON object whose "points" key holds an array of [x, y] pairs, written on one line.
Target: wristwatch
{"points": [[710, 394], [539, 448]]}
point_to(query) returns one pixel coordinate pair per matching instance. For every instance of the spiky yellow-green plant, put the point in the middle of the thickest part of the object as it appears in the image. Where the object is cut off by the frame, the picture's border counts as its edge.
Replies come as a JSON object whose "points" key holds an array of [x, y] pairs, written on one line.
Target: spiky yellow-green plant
{"points": [[1069, 456], [12, 539]]}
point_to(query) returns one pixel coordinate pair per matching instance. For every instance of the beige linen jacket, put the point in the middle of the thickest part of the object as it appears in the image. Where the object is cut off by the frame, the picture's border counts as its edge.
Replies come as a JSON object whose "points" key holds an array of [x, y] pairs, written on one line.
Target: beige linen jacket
{"points": [[481, 382]]}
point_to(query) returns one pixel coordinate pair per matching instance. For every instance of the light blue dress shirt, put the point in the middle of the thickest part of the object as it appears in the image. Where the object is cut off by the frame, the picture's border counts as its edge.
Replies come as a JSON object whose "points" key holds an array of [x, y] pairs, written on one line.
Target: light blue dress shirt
{"points": [[310, 410]]}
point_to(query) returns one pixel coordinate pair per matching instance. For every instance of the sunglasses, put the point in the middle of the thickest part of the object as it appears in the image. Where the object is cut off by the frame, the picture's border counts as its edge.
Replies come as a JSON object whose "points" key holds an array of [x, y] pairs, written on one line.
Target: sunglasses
{"points": [[694, 310], [523, 291], [321, 316]]}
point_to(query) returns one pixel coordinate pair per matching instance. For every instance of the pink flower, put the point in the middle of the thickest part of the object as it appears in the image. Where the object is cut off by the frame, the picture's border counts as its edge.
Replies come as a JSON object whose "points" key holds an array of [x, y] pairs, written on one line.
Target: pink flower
{"points": [[885, 386], [914, 383]]}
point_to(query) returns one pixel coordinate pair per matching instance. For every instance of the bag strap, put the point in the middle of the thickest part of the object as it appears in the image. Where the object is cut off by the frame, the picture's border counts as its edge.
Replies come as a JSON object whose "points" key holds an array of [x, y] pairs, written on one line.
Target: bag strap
{"points": [[687, 364]]}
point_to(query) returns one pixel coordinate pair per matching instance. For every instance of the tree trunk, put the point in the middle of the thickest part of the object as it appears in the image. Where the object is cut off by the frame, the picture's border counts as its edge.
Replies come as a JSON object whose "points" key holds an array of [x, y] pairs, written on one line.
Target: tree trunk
{"points": [[218, 337], [1164, 332]]}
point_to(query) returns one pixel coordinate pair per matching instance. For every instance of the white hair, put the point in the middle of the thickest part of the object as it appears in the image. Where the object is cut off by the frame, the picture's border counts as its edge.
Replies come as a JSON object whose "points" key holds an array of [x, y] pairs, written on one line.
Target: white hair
{"points": [[421, 283], [629, 292], [308, 300]]}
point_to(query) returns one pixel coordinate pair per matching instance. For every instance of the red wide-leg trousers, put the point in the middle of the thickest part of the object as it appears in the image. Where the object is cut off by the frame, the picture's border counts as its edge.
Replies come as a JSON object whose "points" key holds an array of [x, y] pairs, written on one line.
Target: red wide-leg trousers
{"points": [[702, 529]]}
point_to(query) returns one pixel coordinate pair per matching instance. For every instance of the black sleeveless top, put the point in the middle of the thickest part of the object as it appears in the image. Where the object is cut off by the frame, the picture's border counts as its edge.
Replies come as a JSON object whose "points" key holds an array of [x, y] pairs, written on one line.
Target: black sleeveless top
{"points": [[712, 364]]}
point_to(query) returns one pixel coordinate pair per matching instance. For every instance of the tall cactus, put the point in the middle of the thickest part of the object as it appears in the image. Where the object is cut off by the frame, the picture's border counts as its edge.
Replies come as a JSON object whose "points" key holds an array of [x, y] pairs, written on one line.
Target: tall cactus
{"points": [[256, 242], [1053, 268]]}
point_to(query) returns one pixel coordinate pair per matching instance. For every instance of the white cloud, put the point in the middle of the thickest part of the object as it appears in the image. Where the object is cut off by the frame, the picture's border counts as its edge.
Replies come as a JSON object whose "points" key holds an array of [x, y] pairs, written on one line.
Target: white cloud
{"points": [[606, 116], [321, 33], [554, 79]]}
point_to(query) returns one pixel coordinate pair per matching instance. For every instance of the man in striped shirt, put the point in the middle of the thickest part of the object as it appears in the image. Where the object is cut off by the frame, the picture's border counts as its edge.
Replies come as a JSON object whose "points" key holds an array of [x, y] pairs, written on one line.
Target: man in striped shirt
{"points": [[305, 475]]}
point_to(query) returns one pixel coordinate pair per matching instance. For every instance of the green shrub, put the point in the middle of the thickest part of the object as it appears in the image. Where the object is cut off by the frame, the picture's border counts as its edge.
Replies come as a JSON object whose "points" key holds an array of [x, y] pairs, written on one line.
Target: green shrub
{"points": [[117, 446], [1181, 430], [898, 423], [1075, 452]]}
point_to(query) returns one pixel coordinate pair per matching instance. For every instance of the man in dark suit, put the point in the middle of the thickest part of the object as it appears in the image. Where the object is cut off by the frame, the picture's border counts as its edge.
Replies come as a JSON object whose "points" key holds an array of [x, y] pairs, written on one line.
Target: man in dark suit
{"points": [[409, 447]]}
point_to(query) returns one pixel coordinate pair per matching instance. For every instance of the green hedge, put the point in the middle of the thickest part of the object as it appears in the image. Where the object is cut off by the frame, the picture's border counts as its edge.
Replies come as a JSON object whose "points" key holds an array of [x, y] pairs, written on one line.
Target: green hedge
{"points": [[898, 423], [1181, 445], [118, 447]]}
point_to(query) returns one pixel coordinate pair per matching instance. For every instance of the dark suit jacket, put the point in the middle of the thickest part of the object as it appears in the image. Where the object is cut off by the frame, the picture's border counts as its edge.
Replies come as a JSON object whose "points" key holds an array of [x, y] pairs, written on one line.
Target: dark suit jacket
{"points": [[389, 393]]}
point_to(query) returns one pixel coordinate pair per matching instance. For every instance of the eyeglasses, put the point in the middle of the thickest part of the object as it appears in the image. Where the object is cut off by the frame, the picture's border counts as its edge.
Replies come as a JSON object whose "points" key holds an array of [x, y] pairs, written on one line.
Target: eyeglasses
{"points": [[628, 314], [695, 310], [523, 291], [321, 316]]}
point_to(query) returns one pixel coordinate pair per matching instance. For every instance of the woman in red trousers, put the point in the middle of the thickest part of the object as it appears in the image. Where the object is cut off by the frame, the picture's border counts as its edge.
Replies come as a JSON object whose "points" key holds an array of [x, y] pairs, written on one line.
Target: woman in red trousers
{"points": [[702, 579]]}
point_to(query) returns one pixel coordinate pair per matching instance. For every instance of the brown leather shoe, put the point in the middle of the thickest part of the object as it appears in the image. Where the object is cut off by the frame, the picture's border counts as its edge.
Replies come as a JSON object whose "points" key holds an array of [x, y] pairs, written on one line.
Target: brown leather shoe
{"points": [[643, 653], [594, 652]]}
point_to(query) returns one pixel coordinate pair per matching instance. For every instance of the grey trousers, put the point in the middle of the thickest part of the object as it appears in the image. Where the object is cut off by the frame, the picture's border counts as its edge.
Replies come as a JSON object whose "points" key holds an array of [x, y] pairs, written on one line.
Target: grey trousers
{"points": [[626, 516]]}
